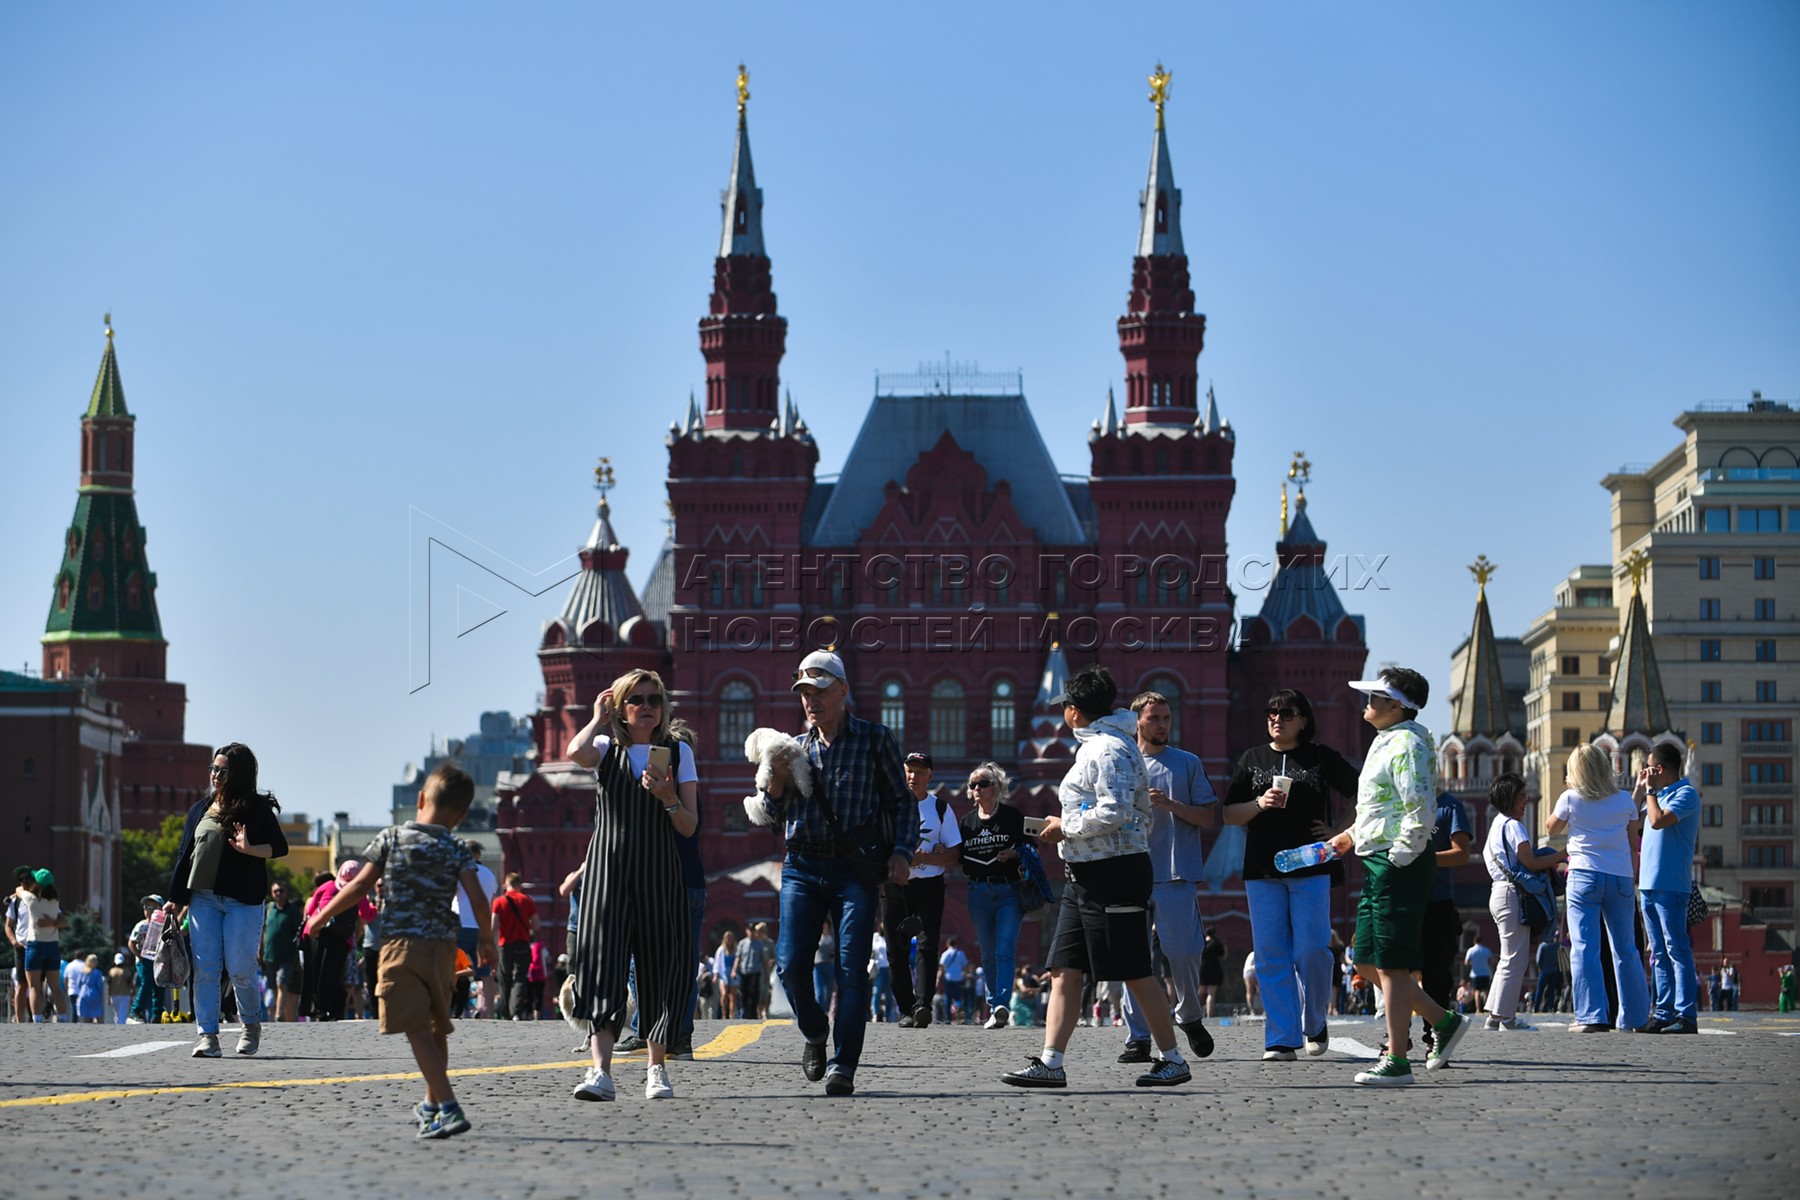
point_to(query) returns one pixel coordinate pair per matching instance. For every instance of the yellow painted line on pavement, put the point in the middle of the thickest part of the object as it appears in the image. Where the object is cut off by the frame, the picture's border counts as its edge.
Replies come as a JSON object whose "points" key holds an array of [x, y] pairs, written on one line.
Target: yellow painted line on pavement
{"points": [[729, 1041]]}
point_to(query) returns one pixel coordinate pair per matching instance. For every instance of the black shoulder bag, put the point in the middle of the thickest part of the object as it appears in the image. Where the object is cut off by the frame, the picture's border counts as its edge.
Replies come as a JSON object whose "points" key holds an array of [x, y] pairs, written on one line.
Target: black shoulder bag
{"points": [[868, 846]]}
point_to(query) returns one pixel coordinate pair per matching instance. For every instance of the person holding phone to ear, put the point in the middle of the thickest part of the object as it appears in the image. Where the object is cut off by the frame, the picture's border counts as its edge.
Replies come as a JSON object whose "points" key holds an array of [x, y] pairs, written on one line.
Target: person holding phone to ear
{"points": [[634, 902]]}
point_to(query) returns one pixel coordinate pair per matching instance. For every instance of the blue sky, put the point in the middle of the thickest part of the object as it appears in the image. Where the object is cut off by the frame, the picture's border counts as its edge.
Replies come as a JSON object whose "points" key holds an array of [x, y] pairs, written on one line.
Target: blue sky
{"points": [[366, 259]]}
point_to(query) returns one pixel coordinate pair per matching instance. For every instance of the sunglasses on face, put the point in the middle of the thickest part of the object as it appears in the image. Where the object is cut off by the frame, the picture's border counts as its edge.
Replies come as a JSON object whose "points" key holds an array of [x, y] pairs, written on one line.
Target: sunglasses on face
{"points": [[219, 770], [981, 783], [650, 701], [1285, 714]]}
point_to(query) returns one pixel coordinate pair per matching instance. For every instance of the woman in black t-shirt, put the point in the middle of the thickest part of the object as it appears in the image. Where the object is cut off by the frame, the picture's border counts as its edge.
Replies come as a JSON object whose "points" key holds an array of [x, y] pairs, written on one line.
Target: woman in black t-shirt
{"points": [[1290, 915], [992, 832]]}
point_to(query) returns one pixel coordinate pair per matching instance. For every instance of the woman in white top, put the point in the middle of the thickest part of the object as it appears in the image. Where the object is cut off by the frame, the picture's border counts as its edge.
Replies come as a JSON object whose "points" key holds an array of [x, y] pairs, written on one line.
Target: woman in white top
{"points": [[1509, 849], [1601, 820]]}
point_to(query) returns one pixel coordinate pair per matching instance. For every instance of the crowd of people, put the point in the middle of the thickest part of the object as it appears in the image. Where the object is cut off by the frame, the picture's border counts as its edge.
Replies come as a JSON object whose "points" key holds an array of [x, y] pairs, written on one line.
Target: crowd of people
{"points": [[413, 930]]}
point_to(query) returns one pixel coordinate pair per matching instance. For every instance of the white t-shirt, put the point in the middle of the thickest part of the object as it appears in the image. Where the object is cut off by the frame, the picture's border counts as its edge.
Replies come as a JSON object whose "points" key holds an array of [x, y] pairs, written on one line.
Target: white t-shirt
{"points": [[40, 920], [467, 912], [1598, 840], [878, 952], [953, 961], [639, 757], [935, 833], [1505, 836]]}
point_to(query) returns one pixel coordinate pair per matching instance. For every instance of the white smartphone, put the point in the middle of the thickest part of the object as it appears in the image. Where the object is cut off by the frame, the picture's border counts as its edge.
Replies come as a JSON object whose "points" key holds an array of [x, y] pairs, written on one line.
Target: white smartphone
{"points": [[1034, 826]]}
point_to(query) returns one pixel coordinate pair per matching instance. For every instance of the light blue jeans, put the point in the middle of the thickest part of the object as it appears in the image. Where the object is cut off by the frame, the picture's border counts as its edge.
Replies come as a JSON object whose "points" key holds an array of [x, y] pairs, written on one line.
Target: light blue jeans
{"points": [[994, 908], [1290, 929], [1671, 955], [226, 935], [1596, 899], [1175, 914]]}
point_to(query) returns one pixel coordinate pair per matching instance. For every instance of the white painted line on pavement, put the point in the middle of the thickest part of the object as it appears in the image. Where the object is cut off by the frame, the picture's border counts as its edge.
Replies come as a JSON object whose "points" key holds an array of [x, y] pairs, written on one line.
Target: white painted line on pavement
{"points": [[1721, 1032], [1344, 1045], [138, 1048]]}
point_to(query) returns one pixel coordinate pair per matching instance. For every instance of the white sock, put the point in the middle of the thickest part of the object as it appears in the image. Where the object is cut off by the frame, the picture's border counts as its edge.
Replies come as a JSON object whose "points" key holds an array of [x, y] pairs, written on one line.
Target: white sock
{"points": [[1051, 1058], [1172, 1054]]}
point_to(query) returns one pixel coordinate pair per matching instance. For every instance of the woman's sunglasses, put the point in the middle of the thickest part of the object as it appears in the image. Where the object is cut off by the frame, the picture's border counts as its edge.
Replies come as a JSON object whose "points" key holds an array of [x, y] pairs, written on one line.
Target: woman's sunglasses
{"points": [[650, 701], [1286, 714]]}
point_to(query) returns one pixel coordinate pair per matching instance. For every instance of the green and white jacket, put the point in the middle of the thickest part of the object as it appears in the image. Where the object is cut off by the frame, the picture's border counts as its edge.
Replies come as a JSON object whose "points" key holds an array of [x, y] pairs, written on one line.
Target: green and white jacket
{"points": [[1396, 798]]}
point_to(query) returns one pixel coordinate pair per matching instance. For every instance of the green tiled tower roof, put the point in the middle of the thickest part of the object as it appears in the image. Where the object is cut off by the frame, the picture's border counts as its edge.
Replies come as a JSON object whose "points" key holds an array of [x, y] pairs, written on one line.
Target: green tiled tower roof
{"points": [[104, 587], [108, 399]]}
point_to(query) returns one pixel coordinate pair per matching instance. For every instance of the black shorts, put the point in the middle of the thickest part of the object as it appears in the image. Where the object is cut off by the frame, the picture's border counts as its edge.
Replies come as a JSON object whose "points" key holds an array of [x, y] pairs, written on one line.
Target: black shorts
{"points": [[1103, 924]]}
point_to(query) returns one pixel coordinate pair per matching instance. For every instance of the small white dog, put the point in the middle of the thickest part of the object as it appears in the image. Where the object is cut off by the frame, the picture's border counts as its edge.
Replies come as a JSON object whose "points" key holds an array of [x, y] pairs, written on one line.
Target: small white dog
{"points": [[765, 748]]}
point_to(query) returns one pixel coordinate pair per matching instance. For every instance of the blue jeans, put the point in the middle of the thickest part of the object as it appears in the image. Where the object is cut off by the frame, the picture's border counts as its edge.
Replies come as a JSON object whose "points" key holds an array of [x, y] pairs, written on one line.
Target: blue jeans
{"points": [[1290, 930], [994, 907], [1671, 955], [147, 1001], [878, 992], [1594, 899], [1175, 915], [814, 888], [824, 983], [226, 935]]}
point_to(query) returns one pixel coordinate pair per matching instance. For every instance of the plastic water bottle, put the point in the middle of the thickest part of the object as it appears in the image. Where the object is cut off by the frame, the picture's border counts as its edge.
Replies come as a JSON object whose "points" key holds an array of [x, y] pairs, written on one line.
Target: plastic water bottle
{"points": [[1304, 856]]}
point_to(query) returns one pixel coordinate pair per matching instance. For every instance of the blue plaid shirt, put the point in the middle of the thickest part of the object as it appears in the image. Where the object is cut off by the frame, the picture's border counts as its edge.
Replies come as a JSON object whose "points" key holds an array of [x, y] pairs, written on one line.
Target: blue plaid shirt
{"points": [[860, 773]]}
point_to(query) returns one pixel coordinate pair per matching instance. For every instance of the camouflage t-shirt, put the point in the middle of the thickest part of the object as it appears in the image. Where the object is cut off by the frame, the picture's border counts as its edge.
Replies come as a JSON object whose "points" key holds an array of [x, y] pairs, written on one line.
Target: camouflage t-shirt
{"points": [[421, 868]]}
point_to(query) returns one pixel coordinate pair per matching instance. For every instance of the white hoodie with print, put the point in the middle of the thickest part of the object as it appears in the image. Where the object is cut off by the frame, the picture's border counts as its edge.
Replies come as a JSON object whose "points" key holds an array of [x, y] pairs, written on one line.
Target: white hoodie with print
{"points": [[1105, 796]]}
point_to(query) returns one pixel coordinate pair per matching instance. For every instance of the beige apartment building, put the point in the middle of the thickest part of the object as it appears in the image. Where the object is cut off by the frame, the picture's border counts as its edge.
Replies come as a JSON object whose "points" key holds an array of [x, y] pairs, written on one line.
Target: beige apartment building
{"points": [[1569, 650], [1718, 519]]}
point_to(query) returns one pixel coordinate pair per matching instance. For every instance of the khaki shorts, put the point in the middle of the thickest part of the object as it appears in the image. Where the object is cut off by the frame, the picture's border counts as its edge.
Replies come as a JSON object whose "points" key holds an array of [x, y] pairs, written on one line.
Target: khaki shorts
{"points": [[416, 979]]}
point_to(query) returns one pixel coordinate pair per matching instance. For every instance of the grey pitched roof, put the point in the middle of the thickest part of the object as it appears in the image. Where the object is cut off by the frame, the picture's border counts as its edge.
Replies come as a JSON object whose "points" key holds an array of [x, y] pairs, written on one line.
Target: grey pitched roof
{"points": [[659, 588], [742, 201], [1302, 586], [1166, 239], [1479, 708], [602, 590], [1639, 704], [998, 430]]}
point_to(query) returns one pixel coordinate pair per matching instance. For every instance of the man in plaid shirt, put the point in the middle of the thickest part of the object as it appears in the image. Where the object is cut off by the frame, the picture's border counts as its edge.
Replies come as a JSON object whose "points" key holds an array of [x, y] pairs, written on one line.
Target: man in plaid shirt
{"points": [[856, 769]]}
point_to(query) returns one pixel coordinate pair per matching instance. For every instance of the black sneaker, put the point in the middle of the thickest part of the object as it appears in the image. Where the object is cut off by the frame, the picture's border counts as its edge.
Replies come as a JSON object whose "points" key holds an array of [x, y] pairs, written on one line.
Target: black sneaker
{"points": [[921, 1017], [682, 1049], [631, 1043], [1165, 1074], [907, 1022], [1036, 1075], [1680, 1025], [839, 1084], [1198, 1038], [812, 1061], [1136, 1052]]}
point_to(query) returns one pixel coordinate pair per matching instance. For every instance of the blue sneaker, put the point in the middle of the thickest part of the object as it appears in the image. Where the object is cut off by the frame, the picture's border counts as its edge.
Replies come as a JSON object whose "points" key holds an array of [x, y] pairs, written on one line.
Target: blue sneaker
{"points": [[444, 1123], [423, 1111]]}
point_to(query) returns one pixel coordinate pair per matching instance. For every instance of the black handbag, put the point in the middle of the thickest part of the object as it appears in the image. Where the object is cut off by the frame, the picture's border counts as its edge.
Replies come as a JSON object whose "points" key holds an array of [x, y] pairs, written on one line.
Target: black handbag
{"points": [[1697, 906], [868, 846]]}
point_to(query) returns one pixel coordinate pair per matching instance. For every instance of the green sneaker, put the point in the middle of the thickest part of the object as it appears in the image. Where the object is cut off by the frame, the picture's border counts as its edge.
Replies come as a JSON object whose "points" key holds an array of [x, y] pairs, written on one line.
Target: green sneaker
{"points": [[1449, 1032], [1389, 1072]]}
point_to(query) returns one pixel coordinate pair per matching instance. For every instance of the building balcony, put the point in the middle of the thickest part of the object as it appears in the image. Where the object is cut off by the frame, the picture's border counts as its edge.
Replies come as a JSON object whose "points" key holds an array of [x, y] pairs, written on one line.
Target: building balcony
{"points": [[1769, 914], [1759, 874], [1766, 831], [1778, 790], [1754, 748]]}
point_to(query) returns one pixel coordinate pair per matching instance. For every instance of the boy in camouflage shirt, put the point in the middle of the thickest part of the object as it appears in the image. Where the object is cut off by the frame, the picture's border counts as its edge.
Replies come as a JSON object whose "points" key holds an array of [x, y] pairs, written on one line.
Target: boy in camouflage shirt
{"points": [[422, 866]]}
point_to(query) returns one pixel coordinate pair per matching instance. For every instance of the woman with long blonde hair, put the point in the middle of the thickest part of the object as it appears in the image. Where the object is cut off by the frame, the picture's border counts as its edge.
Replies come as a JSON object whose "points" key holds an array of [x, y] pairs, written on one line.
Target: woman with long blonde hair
{"points": [[1601, 819], [634, 903]]}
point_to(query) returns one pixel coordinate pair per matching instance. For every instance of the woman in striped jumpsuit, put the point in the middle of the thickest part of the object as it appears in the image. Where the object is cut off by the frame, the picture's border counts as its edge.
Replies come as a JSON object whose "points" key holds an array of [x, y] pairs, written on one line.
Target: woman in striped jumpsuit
{"points": [[633, 902]]}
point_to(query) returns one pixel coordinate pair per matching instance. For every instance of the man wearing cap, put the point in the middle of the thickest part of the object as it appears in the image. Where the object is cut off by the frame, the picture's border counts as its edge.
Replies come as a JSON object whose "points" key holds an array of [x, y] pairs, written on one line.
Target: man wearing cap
{"points": [[859, 792], [1396, 808], [921, 898], [147, 1001], [1102, 923]]}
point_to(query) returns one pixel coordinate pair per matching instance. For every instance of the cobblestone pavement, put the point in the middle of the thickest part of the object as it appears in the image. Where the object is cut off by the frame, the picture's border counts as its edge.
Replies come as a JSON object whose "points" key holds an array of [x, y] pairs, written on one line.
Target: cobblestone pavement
{"points": [[323, 1111]]}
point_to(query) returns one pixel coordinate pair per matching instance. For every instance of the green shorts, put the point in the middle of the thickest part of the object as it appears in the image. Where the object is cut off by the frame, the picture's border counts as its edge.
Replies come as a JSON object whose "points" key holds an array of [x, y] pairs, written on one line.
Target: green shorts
{"points": [[1390, 917]]}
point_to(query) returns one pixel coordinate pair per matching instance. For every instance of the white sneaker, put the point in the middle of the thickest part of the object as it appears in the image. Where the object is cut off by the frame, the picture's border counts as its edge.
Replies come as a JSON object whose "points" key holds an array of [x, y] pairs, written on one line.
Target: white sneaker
{"points": [[998, 1019], [596, 1085], [656, 1083], [1516, 1025], [1278, 1056]]}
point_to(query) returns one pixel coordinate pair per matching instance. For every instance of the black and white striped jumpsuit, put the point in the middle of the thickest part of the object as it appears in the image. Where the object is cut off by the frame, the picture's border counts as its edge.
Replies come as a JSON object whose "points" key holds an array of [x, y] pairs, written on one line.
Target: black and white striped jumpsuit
{"points": [[633, 904]]}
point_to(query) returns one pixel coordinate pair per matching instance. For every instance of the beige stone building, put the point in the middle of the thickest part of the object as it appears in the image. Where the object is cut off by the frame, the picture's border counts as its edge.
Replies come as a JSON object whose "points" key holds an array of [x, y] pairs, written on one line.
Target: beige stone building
{"points": [[1718, 521], [1569, 650]]}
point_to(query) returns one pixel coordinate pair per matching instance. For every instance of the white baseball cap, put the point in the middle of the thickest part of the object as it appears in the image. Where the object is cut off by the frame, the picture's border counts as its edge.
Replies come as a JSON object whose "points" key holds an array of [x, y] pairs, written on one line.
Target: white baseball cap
{"points": [[819, 669]]}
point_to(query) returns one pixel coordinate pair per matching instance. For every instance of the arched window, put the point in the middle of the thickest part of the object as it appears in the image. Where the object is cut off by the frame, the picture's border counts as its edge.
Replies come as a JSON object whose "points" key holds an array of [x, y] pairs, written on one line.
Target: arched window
{"points": [[1169, 686], [96, 590], [1003, 706], [949, 720], [893, 710], [737, 717]]}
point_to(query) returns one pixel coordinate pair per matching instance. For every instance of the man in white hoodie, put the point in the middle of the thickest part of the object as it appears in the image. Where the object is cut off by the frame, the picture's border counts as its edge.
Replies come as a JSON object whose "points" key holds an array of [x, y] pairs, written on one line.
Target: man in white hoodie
{"points": [[1103, 836]]}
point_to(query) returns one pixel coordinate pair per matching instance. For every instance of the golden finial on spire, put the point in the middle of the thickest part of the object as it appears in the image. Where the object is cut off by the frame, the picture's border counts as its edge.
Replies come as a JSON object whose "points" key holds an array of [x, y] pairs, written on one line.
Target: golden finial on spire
{"points": [[1159, 91], [603, 478], [108, 319], [1482, 570], [1300, 471], [1284, 509], [1637, 565], [743, 87]]}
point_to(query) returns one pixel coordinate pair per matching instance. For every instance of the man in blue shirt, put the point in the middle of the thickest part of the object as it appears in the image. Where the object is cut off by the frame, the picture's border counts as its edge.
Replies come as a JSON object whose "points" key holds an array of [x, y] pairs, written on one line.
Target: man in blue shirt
{"points": [[1184, 802], [858, 782], [1442, 931], [1671, 825]]}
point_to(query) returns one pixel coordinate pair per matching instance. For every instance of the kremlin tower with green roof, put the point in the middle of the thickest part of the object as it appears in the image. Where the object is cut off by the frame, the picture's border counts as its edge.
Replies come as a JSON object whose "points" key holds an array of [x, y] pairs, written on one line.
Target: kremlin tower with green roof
{"points": [[103, 624]]}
